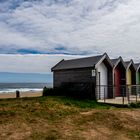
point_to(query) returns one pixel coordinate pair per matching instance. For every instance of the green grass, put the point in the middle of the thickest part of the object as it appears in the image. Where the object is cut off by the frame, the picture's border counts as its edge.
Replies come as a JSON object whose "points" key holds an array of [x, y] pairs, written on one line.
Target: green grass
{"points": [[54, 117]]}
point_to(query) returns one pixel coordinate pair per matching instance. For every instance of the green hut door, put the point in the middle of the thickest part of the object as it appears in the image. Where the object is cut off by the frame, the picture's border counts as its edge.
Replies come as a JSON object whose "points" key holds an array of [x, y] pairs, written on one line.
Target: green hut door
{"points": [[138, 77]]}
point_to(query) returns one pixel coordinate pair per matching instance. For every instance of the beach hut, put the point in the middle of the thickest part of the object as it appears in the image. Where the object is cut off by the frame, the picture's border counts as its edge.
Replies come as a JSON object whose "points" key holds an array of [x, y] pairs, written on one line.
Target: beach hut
{"points": [[119, 76], [130, 73], [137, 66], [96, 70], [130, 77]]}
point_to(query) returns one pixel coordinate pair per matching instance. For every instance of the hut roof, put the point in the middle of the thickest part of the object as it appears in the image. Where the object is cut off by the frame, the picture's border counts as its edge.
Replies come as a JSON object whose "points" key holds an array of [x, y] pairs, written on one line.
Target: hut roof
{"points": [[117, 60], [79, 63], [129, 63], [137, 66], [114, 61]]}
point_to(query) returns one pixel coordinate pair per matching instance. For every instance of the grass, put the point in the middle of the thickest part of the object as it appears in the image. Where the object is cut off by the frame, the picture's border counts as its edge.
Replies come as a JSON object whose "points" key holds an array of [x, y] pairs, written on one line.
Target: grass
{"points": [[51, 118]]}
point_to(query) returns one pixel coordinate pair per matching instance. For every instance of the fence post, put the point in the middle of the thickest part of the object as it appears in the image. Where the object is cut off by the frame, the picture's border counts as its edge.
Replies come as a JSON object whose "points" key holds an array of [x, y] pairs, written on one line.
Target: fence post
{"points": [[113, 89], [136, 98], [123, 96], [96, 95], [104, 94], [139, 91], [128, 94], [99, 91]]}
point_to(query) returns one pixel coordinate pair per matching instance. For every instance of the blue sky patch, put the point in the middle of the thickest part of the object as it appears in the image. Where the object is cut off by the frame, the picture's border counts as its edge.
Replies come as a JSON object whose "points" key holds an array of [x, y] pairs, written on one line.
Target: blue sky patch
{"points": [[28, 51]]}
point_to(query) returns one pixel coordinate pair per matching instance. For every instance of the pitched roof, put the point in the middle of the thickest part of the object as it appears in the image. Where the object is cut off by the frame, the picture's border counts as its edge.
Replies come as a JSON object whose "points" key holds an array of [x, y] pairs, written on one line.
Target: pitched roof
{"points": [[129, 63], [137, 66], [114, 61], [117, 60], [78, 63]]}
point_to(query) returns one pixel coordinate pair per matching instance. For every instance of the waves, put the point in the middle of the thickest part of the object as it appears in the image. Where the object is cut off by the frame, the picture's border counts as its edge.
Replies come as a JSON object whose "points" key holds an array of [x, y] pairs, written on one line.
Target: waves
{"points": [[22, 87]]}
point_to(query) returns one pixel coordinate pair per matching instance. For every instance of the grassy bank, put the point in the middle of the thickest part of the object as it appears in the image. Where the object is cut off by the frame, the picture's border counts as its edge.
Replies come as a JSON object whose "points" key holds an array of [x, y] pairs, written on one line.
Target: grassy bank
{"points": [[50, 118]]}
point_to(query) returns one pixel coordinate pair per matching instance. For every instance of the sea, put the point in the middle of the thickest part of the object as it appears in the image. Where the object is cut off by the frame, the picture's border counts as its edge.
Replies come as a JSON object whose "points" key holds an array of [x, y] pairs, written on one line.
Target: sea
{"points": [[22, 87]]}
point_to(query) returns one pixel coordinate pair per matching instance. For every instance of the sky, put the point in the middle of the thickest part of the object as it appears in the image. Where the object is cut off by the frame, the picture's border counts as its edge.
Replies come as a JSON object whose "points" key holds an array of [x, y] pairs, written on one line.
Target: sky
{"points": [[36, 34], [8, 77]]}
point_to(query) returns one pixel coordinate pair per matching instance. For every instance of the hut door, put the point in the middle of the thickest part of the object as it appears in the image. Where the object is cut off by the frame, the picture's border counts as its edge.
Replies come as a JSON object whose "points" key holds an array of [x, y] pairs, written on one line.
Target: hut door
{"points": [[129, 80], [117, 80], [103, 80]]}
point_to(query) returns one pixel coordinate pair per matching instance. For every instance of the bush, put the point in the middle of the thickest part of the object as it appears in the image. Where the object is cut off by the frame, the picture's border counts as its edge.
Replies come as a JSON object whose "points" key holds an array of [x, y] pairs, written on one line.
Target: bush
{"points": [[76, 90], [46, 91], [135, 105]]}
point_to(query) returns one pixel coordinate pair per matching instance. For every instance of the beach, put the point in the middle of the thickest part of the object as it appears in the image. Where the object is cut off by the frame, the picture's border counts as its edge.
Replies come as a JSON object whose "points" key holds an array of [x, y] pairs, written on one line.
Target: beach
{"points": [[22, 94]]}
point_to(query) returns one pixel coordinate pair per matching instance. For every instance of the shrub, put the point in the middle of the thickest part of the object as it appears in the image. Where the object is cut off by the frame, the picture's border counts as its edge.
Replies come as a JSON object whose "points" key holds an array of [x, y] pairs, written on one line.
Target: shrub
{"points": [[76, 90], [47, 91], [135, 105]]}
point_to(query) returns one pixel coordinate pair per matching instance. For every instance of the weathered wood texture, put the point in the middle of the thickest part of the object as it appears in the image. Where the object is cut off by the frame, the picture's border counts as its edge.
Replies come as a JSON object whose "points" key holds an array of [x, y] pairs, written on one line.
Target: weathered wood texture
{"points": [[110, 83], [119, 78], [76, 81], [73, 75], [110, 79]]}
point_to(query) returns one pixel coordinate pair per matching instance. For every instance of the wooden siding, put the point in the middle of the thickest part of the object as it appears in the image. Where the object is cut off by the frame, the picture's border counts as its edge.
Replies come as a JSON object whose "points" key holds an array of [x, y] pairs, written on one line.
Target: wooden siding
{"points": [[119, 78], [73, 75], [138, 78], [128, 77], [117, 81], [110, 79], [102, 75], [102, 80], [84, 75]]}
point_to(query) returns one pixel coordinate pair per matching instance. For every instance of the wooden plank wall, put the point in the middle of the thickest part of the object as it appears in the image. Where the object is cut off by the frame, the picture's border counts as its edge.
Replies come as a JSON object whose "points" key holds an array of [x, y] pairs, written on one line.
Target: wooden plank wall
{"points": [[73, 75]]}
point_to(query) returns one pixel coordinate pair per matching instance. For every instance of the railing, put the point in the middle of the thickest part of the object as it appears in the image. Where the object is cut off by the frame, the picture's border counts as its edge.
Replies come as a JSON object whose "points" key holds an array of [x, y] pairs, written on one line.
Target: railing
{"points": [[124, 94]]}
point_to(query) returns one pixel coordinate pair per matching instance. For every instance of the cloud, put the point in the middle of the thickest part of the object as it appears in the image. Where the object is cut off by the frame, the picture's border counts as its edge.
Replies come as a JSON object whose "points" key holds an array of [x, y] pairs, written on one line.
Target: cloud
{"points": [[30, 63], [53, 29], [79, 26]]}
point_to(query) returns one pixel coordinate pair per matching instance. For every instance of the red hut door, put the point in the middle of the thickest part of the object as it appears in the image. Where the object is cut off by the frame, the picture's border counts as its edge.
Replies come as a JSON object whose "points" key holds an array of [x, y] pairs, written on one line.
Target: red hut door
{"points": [[117, 82]]}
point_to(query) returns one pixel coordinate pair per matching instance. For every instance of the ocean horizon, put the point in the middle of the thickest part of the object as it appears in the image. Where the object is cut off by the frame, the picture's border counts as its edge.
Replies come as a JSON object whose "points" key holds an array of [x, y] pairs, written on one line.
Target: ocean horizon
{"points": [[10, 82]]}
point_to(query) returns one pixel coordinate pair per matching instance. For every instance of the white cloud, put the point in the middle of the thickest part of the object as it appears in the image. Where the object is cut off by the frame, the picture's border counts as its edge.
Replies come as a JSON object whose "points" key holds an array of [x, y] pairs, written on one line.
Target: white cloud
{"points": [[40, 63], [67, 26], [77, 25]]}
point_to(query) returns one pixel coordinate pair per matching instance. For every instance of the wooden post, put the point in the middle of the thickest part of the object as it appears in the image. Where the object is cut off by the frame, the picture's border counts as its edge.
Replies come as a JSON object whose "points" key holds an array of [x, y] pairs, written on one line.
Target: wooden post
{"points": [[139, 91], [136, 98], [113, 91], [17, 94], [123, 96], [104, 94], [128, 94]]}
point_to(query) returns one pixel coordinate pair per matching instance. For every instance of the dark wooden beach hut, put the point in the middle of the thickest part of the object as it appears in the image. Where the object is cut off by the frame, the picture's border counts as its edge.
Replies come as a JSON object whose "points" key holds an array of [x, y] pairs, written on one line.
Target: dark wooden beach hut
{"points": [[119, 76], [96, 70]]}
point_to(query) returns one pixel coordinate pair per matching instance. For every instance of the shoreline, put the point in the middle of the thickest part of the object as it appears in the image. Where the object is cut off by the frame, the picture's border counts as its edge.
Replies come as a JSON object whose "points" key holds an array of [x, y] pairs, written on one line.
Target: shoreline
{"points": [[6, 95]]}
